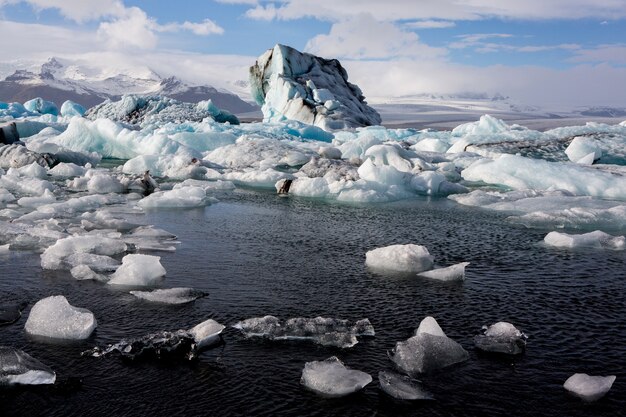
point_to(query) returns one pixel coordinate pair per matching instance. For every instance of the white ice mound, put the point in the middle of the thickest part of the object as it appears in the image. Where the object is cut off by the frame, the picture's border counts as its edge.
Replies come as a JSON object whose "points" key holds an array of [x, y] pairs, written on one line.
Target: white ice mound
{"points": [[143, 110], [18, 367], [596, 239], [206, 333], [429, 325], [400, 258], [190, 196], [402, 387], [54, 317], [66, 253], [321, 330], [293, 85], [69, 108], [331, 378], [580, 148], [589, 388], [170, 295], [451, 273], [138, 270], [429, 350], [502, 337]]}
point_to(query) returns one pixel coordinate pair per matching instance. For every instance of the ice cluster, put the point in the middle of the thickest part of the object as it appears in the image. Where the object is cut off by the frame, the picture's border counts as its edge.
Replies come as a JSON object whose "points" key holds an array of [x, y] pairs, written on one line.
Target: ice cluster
{"points": [[331, 378], [293, 85], [429, 350], [185, 344], [320, 330], [54, 317], [18, 367]]}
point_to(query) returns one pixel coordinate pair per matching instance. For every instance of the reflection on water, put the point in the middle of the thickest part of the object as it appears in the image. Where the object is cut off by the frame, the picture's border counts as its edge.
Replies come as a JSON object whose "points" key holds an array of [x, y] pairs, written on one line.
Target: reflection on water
{"points": [[258, 254]]}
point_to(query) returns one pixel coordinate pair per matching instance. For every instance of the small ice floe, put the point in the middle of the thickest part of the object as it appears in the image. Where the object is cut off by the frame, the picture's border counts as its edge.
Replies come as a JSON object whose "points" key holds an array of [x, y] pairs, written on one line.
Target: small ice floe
{"points": [[138, 270], [321, 330], [501, 337], [589, 388], [170, 295], [400, 258], [451, 273], [10, 313], [429, 350], [185, 197], [55, 318], [402, 387], [185, 344], [331, 378], [64, 253], [18, 367], [596, 239]]}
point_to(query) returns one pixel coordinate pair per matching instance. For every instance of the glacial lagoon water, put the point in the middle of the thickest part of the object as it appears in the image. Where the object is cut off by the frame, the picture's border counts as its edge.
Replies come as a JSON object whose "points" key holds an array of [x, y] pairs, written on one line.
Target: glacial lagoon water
{"points": [[256, 253]]}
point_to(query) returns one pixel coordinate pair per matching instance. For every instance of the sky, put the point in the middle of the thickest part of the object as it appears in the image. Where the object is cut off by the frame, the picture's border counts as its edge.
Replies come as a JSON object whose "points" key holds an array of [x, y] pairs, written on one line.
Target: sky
{"points": [[551, 53]]}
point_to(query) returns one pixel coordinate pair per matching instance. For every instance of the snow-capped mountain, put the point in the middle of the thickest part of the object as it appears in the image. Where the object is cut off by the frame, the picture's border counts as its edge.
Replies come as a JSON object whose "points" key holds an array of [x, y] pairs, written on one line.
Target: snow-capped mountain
{"points": [[59, 80]]}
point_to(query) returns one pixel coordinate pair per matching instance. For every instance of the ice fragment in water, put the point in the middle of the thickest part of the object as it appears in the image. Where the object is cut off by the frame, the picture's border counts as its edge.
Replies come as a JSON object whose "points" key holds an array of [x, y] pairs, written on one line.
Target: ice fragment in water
{"points": [[84, 272], [320, 330], [55, 318], [164, 345], [18, 367], [331, 378], [170, 295], [190, 196], [138, 270], [56, 255], [451, 273], [596, 239], [580, 148], [501, 337], [427, 352], [429, 325], [400, 258], [589, 388], [402, 387]]}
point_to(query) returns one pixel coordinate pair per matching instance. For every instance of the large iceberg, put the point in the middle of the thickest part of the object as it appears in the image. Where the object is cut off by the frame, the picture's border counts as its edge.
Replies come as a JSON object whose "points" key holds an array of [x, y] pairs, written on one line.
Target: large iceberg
{"points": [[331, 378], [289, 84], [429, 350], [55, 318], [18, 367], [320, 330]]}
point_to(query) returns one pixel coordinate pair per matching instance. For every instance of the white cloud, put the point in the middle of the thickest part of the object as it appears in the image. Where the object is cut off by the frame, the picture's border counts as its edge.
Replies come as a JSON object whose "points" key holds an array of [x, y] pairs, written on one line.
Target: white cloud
{"points": [[603, 53], [334, 10], [430, 24], [133, 30], [363, 37], [80, 10], [206, 27]]}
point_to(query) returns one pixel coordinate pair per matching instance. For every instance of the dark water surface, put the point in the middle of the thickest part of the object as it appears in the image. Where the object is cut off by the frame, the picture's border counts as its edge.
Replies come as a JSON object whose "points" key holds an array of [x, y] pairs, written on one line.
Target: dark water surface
{"points": [[259, 254]]}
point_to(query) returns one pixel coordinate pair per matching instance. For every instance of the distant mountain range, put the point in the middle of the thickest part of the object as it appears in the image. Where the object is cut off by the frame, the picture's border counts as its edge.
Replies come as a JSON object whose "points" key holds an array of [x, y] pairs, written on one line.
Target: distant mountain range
{"points": [[59, 80]]}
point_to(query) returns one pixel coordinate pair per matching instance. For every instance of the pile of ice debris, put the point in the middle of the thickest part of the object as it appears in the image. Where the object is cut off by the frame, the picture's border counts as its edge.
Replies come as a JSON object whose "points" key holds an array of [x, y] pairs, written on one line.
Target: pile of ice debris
{"points": [[289, 84]]}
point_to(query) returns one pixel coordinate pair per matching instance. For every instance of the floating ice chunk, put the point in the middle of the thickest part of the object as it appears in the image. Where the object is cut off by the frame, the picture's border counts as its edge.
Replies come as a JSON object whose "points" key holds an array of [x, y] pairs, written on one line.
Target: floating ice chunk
{"points": [[427, 352], [4, 249], [69, 108], [84, 272], [152, 232], [170, 295], [55, 318], [451, 273], [104, 184], [23, 185], [162, 345], [18, 367], [589, 388], [402, 387], [331, 378], [259, 179], [430, 326], [190, 196], [67, 170], [501, 337], [206, 333], [579, 149], [320, 330], [138, 270], [46, 198], [207, 185], [39, 105], [401, 258], [434, 183], [596, 239], [54, 256]]}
